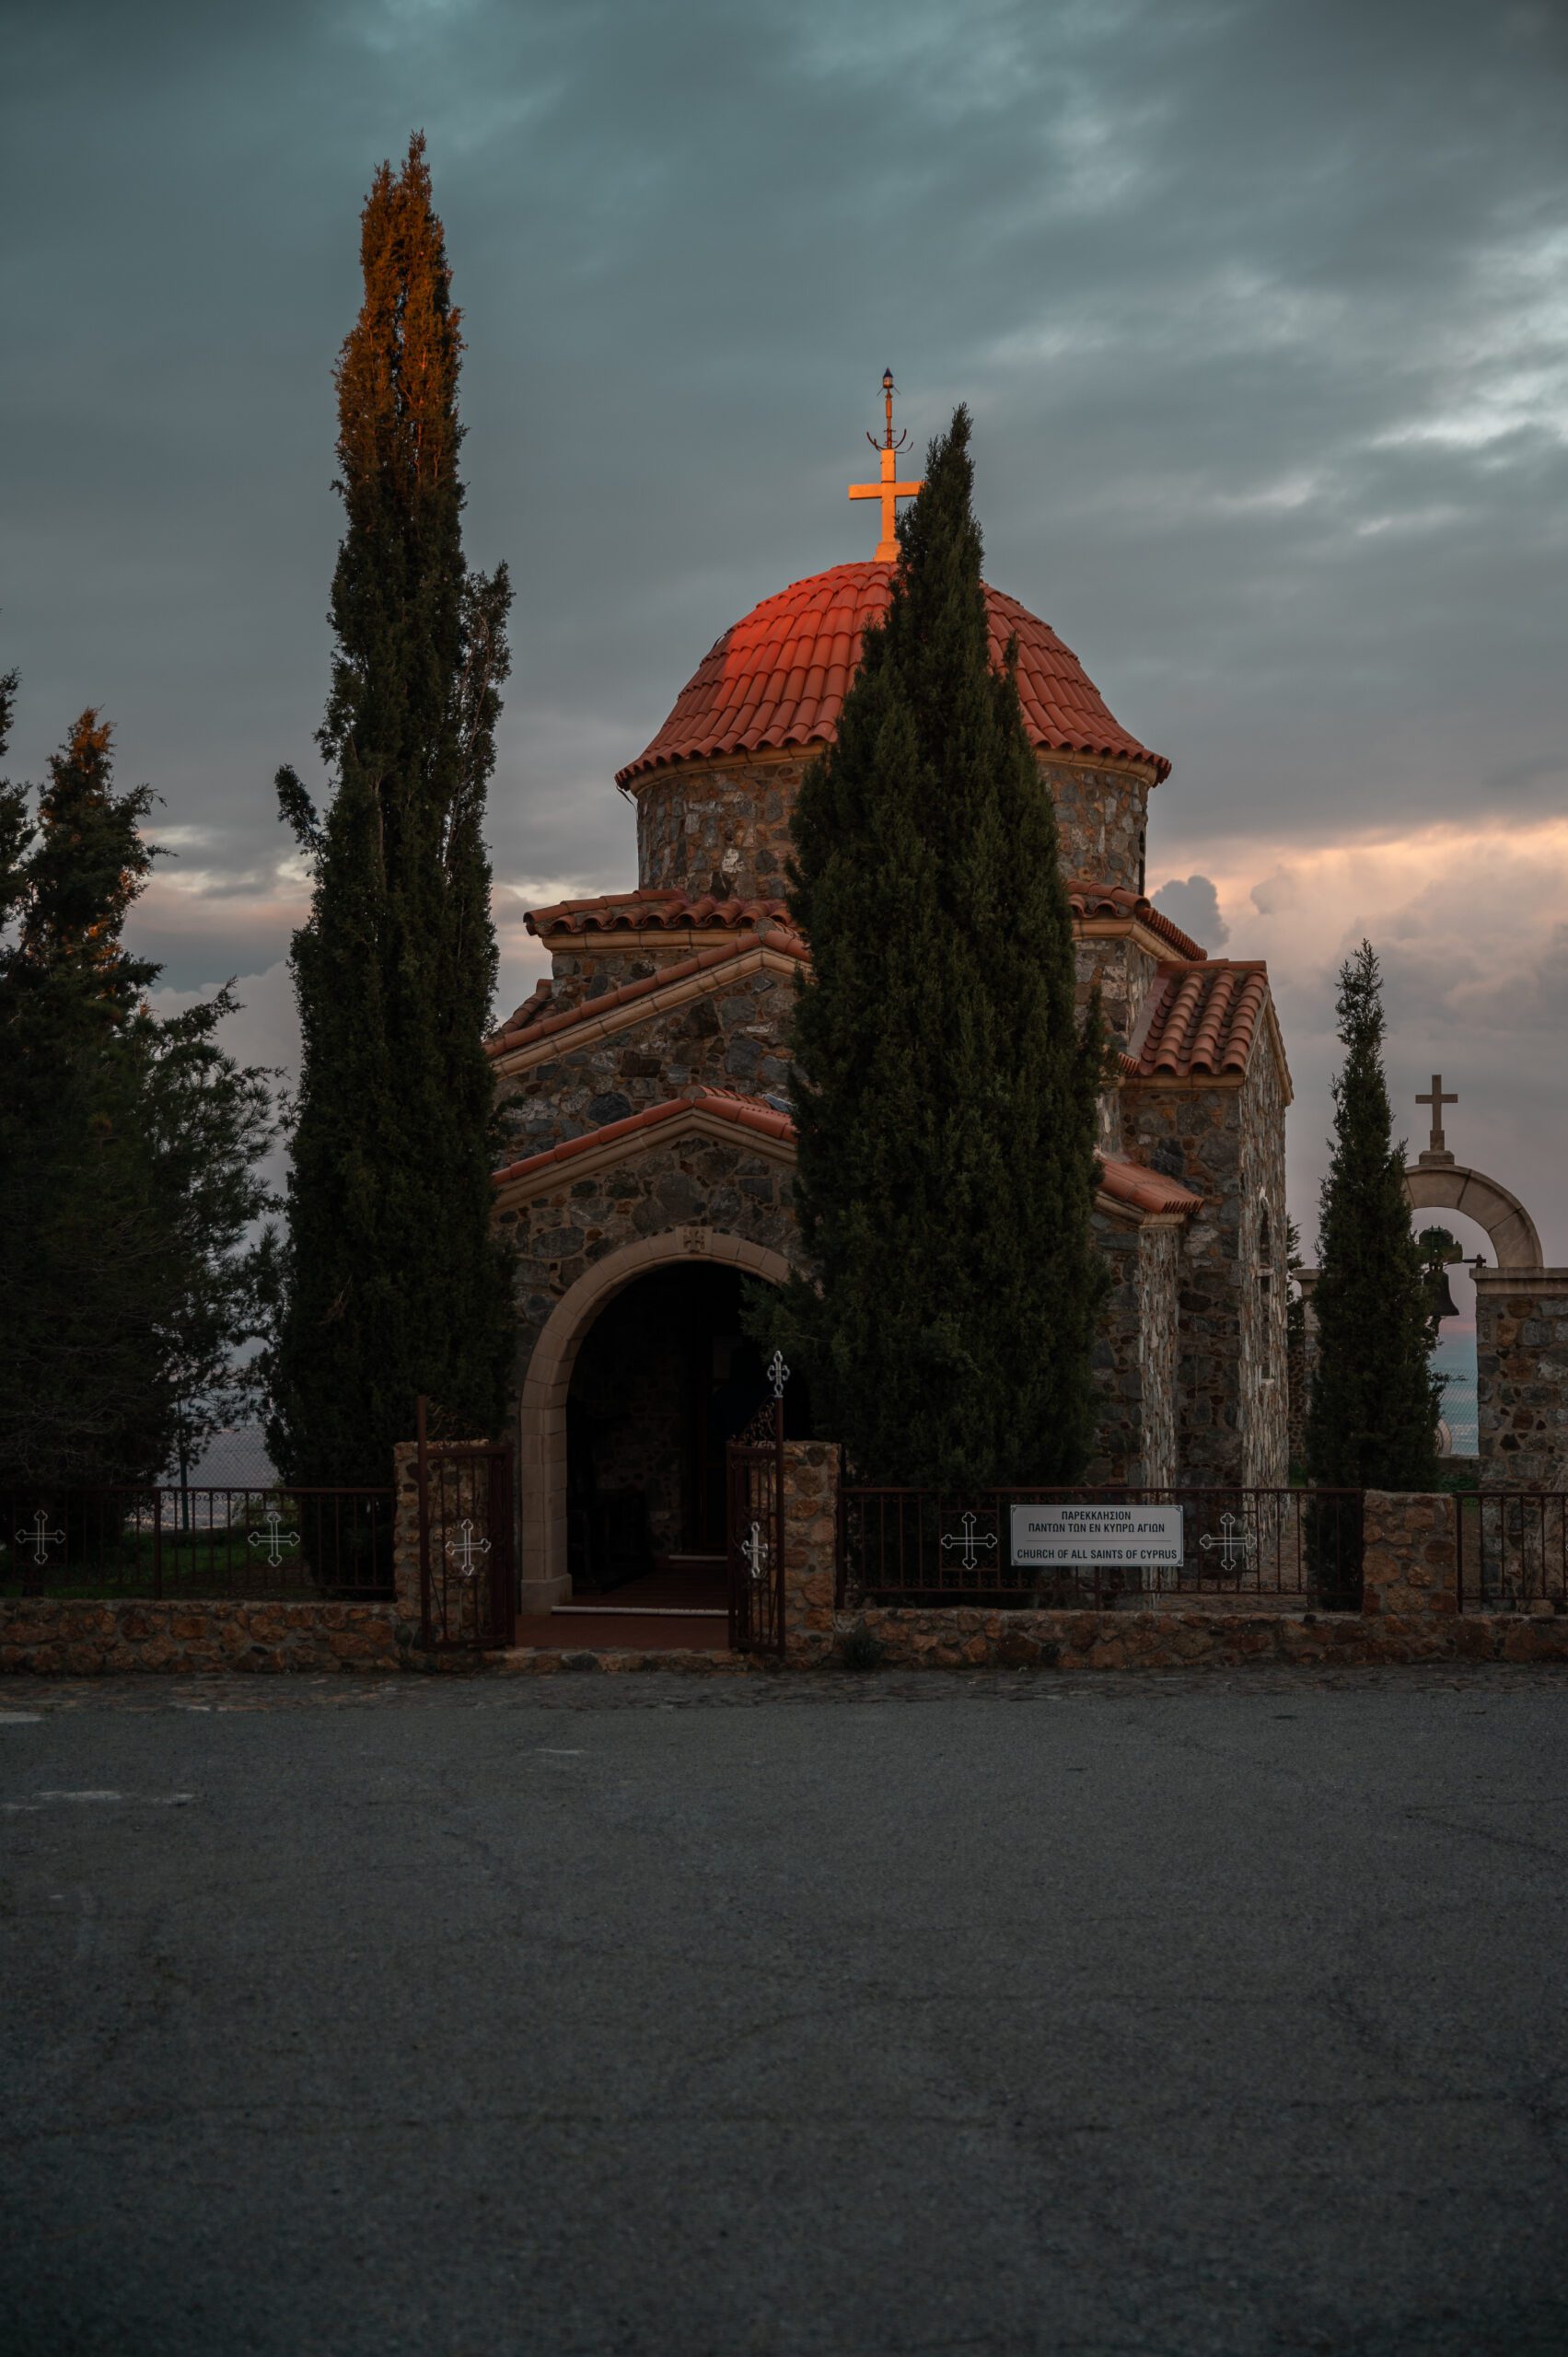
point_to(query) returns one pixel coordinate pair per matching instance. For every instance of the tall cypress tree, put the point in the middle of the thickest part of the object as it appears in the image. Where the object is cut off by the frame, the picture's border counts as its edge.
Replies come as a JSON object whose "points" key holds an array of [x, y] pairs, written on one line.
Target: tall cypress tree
{"points": [[946, 1087], [393, 1283], [1371, 1421]]}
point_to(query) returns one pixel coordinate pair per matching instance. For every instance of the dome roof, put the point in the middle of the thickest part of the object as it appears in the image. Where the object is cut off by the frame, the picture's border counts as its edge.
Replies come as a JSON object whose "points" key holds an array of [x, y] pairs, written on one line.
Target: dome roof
{"points": [[779, 676]]}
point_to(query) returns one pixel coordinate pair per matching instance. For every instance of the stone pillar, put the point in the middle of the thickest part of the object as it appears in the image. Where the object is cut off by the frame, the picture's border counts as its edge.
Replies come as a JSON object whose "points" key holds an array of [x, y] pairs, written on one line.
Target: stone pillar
{"points": [[1521, 1337], [811, 1544], [405, 1534], [1409, 1563]]}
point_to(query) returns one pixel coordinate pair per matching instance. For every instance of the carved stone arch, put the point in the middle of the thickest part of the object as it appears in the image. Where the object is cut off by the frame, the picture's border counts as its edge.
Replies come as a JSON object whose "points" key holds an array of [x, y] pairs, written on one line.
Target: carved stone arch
{"points": [[1451, 1187], [541, 1419]]}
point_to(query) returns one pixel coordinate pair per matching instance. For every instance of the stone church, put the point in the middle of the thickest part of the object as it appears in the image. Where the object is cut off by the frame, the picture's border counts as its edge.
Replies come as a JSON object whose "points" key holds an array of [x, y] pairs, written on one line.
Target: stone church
{"points": [[645, 1086]]}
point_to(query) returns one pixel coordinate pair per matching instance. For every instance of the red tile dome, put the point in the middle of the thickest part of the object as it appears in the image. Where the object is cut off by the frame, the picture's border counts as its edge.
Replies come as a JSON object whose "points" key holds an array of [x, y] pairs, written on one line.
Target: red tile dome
{"points": [[778, 677]]}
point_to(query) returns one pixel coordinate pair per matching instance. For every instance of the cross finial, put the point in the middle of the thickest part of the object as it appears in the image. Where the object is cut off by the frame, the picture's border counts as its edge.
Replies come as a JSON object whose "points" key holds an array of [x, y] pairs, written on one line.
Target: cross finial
{"points": [[1436, 1142], [887, 490]]}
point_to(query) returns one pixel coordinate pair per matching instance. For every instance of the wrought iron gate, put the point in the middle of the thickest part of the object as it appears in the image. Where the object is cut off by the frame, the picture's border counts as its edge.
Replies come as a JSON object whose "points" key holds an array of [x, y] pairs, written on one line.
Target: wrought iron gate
{"points": [[468, 1559], [756, 1526]]}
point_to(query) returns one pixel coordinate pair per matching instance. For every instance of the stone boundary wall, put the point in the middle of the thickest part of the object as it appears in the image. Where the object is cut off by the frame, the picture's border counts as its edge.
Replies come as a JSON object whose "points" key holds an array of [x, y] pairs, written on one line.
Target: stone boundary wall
{"points": [[67, 1637], [972, 1639], [1409, 1615]]}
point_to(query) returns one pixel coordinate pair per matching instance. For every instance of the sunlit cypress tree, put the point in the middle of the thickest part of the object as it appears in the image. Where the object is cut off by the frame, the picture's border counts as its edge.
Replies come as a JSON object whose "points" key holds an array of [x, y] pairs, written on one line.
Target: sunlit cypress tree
{"points": [[393, 1283], [945, 1085]]}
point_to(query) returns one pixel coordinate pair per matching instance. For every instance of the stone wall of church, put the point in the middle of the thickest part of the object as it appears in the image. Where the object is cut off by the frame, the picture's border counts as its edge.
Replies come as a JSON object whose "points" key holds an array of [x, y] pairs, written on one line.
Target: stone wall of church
{"points": [[579, 974], [1227, 1141], [1135, 1357], [719, 827], [694, 1184], [1193, 1133], [1263, 1280], [1102, 812], [1125, 974], [728, 1039], [1159, 1279], [723, 827]]}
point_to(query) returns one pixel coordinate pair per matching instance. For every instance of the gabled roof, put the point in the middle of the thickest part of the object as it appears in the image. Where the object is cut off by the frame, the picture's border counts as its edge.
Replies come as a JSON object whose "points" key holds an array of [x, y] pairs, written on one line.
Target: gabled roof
{"points": [[533, 1027], [659, 911], [1088, 900], [1200, 1021], [779, 676], [711, 1108], [1126, 1186], [1145, 1190]]}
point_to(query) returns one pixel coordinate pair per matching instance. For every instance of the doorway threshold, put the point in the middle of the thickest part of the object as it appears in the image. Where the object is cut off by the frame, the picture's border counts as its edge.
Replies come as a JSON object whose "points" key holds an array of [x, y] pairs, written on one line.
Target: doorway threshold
{"points": [[647, 1611]]}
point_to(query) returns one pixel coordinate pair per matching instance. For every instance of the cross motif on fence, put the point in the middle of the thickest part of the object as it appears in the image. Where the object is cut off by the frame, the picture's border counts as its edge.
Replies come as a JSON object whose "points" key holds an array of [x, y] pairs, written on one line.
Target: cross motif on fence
{"points": [[1236, 1544], [466, 1550], [967, 1541], [275, 1539], [755, 1551], [778, 1373], [40, 1538]]}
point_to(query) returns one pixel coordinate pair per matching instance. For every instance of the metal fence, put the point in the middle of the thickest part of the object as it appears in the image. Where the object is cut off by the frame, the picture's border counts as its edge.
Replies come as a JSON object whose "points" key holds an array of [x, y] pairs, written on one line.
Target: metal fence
{"points": [[1513, 1550], [1099, 1548], [207, 1542]]}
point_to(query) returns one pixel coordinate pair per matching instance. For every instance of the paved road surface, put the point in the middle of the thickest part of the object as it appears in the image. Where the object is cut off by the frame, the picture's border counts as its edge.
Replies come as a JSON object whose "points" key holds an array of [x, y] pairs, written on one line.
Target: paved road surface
{"points": [[1138, 2013]]}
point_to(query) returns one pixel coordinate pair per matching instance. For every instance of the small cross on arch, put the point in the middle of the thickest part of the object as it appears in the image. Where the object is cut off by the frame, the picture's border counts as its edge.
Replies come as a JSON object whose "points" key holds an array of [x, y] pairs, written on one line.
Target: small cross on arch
{"points": [[1437, 1143]]}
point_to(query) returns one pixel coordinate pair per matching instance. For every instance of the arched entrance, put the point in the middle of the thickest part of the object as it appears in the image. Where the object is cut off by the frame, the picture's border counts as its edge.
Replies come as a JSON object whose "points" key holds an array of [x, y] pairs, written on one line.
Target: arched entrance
{"points": [[684, 1485], [1434, 1185]]}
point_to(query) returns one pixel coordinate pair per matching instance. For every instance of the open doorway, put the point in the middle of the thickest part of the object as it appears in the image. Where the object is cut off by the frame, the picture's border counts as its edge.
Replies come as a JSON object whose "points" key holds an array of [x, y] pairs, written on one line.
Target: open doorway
{"points": [[665, 1377]]}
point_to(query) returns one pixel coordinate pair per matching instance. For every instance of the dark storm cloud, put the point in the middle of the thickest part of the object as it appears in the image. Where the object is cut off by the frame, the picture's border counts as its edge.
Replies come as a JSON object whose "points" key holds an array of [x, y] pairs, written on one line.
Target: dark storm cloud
{"points": [[1262, 309]]}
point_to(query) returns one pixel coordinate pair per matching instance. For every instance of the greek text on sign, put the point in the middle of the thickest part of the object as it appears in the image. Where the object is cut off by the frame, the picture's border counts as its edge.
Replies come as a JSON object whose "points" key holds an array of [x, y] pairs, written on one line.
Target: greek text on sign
{"points": [[1097, 1537]]}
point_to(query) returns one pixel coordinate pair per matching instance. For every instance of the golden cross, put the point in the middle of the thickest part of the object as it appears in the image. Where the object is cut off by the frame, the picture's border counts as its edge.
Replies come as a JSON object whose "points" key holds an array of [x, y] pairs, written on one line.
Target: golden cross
{"points": [[887, 490]]}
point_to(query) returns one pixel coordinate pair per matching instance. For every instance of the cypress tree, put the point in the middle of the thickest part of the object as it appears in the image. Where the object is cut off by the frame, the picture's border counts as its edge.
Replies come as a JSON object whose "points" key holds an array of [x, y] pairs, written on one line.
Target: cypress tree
{"points": [[944, 1086], [391, 1281], [1371, 1421], [128, 1142]]}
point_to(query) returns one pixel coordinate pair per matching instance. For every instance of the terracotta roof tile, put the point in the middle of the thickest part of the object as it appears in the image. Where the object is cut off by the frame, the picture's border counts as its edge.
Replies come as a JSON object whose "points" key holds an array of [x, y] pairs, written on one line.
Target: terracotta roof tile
{"points": [[1200, 1019], [728, 1104], [755, 691], [1088, 898], [540, 1025], [656, 912], [1145, 1191]]}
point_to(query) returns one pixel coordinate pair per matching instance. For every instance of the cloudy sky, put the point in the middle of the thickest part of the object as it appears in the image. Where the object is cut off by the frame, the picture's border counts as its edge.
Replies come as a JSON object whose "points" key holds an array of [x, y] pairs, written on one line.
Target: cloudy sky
{"points": [[1261, 305]]}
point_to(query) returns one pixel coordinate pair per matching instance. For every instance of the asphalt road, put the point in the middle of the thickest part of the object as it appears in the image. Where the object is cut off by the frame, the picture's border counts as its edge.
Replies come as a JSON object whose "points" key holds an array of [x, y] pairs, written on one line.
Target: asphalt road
{"points": [[1156, 2015]]}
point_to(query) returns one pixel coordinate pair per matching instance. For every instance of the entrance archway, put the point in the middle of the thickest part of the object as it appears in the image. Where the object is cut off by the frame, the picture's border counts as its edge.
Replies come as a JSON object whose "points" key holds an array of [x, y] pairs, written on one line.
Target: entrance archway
{"points": [[547, 1387], [1434, 1185]]}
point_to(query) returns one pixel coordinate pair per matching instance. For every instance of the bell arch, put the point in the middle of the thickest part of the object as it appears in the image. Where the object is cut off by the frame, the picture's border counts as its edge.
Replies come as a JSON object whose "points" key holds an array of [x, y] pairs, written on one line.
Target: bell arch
{"points": [[542, 1415], [1451, 1187]]}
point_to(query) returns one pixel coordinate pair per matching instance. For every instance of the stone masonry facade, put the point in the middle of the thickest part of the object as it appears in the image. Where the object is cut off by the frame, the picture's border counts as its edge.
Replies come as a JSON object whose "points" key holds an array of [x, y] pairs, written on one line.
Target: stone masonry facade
{"points": [[1225, 1139], [696, 1184], [1103, 813], [1522, 1377], [732, 1038], [723, 826], [1135, 1355], [719, 827]]}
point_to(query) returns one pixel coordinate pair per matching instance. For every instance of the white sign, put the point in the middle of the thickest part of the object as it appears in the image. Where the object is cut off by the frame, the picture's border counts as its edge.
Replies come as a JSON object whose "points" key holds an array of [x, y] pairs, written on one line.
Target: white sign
{"points": [[1097, 1537]]}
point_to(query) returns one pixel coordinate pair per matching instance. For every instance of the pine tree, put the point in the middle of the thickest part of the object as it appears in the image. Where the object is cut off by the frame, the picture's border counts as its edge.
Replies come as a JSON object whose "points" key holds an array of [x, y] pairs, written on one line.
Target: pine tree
{"points": [[1372, 1423], [392, 1281], [946, 1087], [128, 1146]]}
